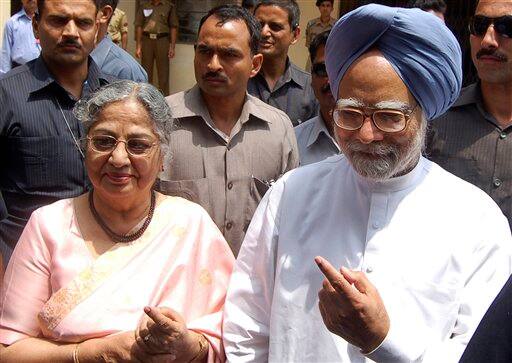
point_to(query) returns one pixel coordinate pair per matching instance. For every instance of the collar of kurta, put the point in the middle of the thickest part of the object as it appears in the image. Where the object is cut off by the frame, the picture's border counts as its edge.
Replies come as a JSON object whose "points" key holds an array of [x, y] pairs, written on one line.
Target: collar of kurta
{"points": [[317, 130], [194, 105], [43, 78], [411, 179]]}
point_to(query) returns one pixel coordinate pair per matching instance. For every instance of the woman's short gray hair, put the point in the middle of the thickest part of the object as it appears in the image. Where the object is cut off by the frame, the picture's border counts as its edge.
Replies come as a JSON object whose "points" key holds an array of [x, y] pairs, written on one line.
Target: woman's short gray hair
{"points": [[88, 108]]}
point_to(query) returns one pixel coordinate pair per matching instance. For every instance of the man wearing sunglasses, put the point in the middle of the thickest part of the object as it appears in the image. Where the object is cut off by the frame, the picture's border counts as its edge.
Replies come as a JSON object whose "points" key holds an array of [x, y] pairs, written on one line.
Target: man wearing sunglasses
{"points": [[474, 139], [315, 137], [417, 254]]}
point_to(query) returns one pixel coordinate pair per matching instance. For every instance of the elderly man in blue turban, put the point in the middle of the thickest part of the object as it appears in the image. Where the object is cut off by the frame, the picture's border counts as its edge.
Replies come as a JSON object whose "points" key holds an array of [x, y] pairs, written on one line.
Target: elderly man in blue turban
{"points": [[378, 254]]}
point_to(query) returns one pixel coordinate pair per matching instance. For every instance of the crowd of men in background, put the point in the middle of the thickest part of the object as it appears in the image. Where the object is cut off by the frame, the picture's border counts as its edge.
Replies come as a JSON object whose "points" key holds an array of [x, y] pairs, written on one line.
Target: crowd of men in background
{"points": [[249, 100]]}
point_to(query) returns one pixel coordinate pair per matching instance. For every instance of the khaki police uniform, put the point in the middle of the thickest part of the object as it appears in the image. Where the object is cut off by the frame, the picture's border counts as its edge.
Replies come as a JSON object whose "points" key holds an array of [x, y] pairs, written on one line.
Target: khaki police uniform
{"points": [[315, 27], [117, 26], [156, 22]]}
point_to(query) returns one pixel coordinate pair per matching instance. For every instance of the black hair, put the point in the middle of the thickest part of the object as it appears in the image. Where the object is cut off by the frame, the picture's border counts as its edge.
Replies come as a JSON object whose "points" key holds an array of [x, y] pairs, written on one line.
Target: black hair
{"points": [[249, 4], [227, 13], [320, 39], [40, 7], [290, 6], [435, 5], [319, 2], [111, 3]]}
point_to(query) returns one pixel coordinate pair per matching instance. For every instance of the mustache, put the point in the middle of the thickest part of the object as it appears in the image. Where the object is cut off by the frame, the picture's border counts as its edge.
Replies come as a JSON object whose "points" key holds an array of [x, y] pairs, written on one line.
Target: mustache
{"points": [[375, 148], [491, 52], [214, 76], [69, 42]]}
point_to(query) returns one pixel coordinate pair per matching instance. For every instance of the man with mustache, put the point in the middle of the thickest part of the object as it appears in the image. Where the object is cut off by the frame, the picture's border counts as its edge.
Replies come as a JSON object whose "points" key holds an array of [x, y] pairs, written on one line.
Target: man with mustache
{"points": [[473, 140], [39, 137], [412, 255], [227, 146], [280, 83], [315, 137]]}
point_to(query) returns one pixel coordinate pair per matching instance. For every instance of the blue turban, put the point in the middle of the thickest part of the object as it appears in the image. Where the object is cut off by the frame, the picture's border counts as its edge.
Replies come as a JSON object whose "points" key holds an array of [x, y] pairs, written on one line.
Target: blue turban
{"points": [[421, 49]]}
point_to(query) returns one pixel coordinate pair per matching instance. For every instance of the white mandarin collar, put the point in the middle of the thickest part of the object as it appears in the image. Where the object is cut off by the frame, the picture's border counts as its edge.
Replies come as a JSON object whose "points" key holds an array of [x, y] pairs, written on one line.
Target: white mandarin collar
{"points": [[394, 184]]}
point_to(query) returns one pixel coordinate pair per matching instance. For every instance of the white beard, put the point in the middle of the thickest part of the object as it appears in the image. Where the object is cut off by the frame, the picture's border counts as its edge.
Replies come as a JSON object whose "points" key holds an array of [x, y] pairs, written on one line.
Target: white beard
{"points": [[382, 160]]}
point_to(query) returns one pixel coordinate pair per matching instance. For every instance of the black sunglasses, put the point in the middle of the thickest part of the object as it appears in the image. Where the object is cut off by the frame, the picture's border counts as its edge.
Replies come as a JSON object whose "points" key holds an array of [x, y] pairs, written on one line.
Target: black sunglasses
{"points": [[502, 25], [319, 70]]}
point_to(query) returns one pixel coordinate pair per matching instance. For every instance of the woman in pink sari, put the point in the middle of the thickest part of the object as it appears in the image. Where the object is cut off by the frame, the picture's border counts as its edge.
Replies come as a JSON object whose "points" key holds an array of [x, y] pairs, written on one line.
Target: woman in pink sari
{"points": [[122, 273]]}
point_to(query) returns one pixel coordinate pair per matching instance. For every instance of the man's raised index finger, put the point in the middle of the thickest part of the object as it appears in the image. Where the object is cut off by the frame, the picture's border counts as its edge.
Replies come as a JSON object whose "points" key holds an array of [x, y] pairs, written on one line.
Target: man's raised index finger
{"points": [[335, 278]]}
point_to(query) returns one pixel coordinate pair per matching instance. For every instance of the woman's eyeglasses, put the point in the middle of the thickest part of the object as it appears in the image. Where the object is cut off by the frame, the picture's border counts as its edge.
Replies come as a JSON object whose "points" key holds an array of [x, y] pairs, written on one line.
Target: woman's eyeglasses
{"points": [[107, 144], [318, 69], [386, 120], [502, 25]]}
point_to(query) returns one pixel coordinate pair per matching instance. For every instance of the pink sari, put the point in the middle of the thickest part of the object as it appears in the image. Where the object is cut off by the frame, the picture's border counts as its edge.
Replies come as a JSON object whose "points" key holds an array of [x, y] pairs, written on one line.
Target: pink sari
{"points": [[55, 289]]}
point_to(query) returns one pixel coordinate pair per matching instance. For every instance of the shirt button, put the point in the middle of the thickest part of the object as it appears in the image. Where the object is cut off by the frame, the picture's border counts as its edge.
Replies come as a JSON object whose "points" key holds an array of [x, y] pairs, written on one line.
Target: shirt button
{"points": [[376, 225], [497, 182], [369, 270], [230, 185], [503, 135], [229, 225]]}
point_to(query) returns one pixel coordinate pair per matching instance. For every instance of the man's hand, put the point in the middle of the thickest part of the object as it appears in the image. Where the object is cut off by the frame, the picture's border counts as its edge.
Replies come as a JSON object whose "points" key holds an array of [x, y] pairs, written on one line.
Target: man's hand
{"points": [[351, 307], [138, 51], [163, 331], [171, 52]]}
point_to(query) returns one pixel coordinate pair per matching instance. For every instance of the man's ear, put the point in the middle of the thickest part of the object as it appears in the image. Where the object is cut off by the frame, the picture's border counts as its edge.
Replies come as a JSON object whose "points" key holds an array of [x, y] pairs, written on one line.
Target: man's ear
{"points": [[105, 14], [296, 35], [257, 61]]}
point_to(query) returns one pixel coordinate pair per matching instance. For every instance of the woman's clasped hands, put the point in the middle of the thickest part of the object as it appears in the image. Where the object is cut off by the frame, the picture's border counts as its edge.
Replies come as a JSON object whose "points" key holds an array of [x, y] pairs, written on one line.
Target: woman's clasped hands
{"points": [[162, 331]]}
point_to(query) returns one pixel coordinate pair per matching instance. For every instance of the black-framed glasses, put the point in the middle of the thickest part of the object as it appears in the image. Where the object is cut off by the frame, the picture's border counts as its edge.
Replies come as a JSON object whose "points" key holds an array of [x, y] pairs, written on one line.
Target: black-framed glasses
{"points": [[107, 144], [318, 69], [502, 25], [386, 120]]}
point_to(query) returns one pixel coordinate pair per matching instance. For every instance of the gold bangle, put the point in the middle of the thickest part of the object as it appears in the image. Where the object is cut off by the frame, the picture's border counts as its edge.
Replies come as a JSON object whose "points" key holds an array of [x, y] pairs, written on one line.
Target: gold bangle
{"points": [[75, 354], [202, 345]]}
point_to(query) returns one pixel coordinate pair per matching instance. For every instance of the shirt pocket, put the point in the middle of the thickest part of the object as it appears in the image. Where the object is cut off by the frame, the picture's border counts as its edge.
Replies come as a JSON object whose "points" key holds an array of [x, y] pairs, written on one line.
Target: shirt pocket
{"points": [[196, 190], [36, 160]]}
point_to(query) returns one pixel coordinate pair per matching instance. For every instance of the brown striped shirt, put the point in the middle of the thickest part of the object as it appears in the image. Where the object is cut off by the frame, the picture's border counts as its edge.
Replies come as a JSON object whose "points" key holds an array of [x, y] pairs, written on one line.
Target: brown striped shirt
{"points": [[468, 142], [227, 174]]}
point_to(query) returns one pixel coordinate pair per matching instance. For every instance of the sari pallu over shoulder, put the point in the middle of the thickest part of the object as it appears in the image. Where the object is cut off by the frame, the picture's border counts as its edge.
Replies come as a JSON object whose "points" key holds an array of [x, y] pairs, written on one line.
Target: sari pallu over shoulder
{"points": [[170, 265]]}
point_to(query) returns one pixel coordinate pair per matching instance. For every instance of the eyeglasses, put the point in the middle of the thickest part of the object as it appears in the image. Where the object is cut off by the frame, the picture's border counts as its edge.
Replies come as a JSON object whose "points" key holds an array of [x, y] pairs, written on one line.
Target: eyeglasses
{"points": [[502, 25], [107, 144], [386, 120], [319, 69]]}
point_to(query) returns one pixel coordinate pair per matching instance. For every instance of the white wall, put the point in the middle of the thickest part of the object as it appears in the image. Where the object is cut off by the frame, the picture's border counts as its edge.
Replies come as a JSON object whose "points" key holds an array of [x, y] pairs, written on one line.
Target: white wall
{"points": [[5, 14]]}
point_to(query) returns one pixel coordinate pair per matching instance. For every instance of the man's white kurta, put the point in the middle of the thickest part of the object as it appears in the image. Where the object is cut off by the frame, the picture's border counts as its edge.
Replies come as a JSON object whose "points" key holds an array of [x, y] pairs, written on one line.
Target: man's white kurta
{"points": [[436, 248]]}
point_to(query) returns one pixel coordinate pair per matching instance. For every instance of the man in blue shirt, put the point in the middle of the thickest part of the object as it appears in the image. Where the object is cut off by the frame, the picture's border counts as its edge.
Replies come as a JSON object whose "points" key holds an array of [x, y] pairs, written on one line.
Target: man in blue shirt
{"points": [[315, 136], [110, 58], [19, 44]]}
